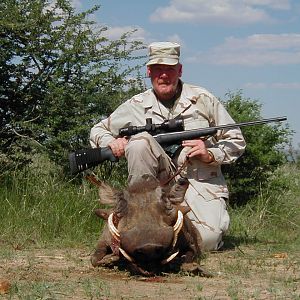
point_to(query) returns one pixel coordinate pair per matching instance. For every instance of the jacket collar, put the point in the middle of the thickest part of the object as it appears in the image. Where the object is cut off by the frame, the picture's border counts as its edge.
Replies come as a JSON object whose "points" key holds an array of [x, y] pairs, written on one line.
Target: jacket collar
{"points": [[187, 98]]}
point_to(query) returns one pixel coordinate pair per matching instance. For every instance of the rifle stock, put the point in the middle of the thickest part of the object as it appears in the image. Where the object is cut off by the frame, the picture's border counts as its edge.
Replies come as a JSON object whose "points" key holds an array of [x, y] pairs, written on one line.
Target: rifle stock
{"points": [[81, 160]]}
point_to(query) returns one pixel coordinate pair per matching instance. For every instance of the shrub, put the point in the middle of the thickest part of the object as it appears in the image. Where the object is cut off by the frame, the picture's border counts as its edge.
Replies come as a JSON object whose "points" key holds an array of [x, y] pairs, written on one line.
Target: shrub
{"points": [[264, 152]]}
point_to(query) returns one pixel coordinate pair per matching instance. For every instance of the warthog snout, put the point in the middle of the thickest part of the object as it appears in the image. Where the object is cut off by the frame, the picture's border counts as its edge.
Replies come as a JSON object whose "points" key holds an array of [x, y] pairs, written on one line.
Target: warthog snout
{"points": [[148, 245], [149, 252]]}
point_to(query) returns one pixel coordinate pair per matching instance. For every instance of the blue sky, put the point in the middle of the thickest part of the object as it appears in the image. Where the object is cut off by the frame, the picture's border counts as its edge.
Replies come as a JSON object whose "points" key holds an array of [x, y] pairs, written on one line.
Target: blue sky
{"points": [[227, 45]]}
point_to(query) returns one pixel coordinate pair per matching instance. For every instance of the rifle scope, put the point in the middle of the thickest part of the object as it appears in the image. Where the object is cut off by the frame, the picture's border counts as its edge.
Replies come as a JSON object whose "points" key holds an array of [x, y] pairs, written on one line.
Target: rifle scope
{"points": [[166, 126]]}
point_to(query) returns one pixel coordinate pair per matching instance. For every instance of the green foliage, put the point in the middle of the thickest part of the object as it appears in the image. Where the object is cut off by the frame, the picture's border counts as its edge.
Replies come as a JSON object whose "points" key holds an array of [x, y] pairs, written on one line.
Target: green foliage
{"points": [[264, 152], [38, 207], [59, 75], [274, 216]]}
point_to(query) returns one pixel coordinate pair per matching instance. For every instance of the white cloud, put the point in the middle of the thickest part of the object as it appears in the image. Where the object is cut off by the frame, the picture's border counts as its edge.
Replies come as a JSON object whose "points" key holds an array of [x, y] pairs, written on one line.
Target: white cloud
{"points": [[286, 85], [221, 11], [77, 4], [117, 31], [254, 50], [176, 39], [273, 4], [255, 85]]}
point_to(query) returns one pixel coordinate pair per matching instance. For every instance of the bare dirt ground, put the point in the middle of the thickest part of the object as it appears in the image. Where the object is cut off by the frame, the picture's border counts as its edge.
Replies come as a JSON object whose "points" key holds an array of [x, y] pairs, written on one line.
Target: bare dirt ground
{"points": [[243, 273]]}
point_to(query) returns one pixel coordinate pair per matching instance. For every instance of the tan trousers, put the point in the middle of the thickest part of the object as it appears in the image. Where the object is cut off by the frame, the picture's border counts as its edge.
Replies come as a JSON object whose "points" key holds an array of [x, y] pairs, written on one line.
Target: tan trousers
{"points": [[148, 163]]}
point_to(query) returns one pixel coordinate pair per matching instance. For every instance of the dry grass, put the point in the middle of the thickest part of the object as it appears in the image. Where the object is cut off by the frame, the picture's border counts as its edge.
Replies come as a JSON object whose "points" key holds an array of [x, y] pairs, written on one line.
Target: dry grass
{"points": [[245, 273]]}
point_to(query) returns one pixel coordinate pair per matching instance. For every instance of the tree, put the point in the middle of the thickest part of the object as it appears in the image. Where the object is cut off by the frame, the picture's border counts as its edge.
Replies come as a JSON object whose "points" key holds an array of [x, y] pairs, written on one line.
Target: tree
{"points": [[264, 151], [58, 75]]}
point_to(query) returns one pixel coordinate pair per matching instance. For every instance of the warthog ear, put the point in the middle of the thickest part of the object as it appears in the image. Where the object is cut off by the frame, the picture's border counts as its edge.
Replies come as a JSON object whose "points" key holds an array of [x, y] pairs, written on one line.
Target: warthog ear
{"points": [[107, 194], [177, 192]]}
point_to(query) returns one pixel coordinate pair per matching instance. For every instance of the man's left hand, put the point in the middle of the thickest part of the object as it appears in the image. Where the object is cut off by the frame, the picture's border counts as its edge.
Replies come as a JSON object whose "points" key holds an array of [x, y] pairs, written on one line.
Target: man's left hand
{"points": [[198, 150]]}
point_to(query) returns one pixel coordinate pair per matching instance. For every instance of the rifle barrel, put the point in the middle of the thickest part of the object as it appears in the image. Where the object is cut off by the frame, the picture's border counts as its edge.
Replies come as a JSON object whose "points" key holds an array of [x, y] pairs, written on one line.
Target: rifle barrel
{"points": [[175, 137], [251, 123]]}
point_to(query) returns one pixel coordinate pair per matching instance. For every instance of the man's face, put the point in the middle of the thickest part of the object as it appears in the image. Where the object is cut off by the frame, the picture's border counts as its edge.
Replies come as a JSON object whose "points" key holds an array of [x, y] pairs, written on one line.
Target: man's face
{"points": [[165, 79]]}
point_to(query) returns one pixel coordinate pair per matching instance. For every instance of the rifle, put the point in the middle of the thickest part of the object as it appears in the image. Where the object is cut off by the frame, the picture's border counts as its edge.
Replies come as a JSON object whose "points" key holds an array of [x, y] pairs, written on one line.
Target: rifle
{"points": [[168, 133]]}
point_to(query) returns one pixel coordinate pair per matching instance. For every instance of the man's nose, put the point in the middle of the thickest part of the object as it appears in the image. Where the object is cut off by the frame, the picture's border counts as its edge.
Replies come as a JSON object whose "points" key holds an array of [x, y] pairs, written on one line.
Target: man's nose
{"points": [[163, 74]]}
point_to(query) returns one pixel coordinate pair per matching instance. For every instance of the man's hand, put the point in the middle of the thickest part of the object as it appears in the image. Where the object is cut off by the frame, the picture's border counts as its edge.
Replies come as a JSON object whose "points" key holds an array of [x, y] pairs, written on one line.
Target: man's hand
{"points": [[198, 150], [118, 146]]}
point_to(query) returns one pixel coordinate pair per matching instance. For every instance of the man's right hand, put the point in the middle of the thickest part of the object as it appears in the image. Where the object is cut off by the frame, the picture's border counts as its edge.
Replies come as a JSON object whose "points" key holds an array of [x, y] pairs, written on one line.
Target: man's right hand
{"points": [[118, 146]]}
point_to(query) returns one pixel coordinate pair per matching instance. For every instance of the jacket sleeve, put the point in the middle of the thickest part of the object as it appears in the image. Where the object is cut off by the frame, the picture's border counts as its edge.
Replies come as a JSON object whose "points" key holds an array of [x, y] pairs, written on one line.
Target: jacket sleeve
{"points": [[108, 129], [227, 145]]}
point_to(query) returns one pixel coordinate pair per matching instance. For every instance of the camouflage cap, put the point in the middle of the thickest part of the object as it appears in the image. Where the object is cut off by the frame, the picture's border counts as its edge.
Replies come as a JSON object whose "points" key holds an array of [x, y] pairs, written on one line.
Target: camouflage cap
{"points": [[163, 53]]}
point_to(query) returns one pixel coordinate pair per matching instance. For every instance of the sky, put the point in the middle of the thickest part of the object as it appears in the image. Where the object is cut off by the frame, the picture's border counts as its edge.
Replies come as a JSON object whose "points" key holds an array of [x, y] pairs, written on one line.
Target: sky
{"points": [[251, 46]]}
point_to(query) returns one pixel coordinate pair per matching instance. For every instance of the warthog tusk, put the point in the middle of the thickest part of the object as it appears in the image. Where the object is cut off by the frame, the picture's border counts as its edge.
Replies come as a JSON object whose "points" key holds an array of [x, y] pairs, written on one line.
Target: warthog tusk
{"points": [[112, 228], [167, 260], [177, 227], [179, 221], [126, 255]]}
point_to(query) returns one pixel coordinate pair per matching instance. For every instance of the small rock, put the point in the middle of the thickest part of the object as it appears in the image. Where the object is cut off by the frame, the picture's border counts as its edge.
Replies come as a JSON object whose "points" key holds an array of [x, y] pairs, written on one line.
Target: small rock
{"points": [[4, 286]]}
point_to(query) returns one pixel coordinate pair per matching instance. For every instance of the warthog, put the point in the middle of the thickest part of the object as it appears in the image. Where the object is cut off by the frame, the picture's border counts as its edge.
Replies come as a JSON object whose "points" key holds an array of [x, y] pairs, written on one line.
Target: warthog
{"points": [[147, 231]]}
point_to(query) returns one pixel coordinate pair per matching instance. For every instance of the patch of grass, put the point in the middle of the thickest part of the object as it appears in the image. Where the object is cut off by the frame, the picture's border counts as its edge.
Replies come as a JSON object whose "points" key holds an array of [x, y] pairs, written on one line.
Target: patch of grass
{"points": [[234, 290], [274, 217], [95, 289], [38, 290], [87, 288], [39, 208]]}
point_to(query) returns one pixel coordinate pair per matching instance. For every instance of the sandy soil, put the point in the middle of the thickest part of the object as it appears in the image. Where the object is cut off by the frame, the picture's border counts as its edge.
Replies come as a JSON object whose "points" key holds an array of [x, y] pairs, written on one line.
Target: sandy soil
{"points": [[67, 274]]}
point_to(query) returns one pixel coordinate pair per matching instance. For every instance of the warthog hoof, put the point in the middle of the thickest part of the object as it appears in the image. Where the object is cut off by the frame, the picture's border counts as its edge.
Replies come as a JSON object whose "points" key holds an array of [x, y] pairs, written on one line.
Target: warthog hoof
{"points": [[109, 260]]}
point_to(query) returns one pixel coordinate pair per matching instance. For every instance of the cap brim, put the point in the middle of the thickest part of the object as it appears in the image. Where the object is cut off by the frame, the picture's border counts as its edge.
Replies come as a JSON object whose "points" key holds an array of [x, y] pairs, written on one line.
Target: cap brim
{"points": [[163, 61]]}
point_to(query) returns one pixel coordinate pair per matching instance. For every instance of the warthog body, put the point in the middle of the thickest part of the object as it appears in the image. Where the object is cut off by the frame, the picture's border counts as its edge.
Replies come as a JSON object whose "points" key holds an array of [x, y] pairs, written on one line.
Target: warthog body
{"points": [[147, 230]]}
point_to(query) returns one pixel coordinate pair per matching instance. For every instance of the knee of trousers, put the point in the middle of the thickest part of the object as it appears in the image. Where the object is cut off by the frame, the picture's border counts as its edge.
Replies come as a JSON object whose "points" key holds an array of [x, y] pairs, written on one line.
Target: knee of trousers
{"points": [[210, 239], [139, 143], [212, 230], [137, 146]]}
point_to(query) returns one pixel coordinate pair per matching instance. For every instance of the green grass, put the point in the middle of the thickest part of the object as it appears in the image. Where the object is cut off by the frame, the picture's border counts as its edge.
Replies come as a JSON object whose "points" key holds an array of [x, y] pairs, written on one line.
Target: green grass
{"points": [[40, 207], [274, 217], [90, 289]]}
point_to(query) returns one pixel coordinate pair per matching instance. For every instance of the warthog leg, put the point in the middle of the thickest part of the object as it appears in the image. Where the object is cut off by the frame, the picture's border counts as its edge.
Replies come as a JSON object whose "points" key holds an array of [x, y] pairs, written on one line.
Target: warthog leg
{"points": [[109, 260], [101, 251]]}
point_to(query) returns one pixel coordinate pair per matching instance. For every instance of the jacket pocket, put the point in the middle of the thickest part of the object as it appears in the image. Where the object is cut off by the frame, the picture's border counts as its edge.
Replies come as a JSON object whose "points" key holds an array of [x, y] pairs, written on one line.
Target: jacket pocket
{"points": [[202, 171], [195, 123]]}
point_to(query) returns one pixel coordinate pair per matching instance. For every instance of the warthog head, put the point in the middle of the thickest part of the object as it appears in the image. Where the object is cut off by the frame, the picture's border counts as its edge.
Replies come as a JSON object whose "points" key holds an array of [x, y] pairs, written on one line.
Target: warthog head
{"points": [[146, 227]]}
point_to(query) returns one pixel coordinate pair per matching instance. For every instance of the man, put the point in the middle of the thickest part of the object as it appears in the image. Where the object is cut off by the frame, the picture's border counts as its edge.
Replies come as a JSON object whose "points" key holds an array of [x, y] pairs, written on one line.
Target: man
{"points": [[147, 161]]}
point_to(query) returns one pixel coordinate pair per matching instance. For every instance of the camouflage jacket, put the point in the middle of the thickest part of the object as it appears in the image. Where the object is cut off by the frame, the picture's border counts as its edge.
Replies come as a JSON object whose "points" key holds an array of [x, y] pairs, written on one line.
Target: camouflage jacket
{"points": [[199, 109]]}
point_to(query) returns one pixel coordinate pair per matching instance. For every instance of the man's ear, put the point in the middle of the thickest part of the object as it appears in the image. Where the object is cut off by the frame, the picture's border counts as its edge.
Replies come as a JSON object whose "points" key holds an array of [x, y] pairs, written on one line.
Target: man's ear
{"points": [[148, 72], [180, 70]]}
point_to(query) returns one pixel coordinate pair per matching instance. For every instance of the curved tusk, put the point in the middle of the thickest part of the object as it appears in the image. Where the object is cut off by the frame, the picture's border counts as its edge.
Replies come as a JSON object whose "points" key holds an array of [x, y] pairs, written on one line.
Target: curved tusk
{"points": [[167, 260], [126, 255], [179, 221], [177, 227], [112, 228]]}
